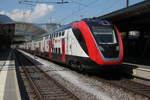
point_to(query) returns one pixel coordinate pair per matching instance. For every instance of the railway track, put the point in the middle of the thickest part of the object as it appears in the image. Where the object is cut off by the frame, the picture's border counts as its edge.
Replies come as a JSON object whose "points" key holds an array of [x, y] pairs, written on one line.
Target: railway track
{"points": [[45, 88], [129, 85]]}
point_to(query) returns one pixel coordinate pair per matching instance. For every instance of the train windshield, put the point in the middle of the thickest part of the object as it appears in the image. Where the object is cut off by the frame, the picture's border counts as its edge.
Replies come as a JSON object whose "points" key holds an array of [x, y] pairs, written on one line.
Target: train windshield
{"points": [[104, 35]]}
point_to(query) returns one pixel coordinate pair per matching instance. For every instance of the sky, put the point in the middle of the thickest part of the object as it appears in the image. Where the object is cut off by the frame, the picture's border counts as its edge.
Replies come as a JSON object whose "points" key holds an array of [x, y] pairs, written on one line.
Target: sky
{"points": [[60, 13]]}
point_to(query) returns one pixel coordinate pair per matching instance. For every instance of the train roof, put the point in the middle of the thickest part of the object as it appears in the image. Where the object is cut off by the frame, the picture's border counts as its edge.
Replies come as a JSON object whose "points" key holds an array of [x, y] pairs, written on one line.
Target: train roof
{"points": [[97, 22], [88, 21]]}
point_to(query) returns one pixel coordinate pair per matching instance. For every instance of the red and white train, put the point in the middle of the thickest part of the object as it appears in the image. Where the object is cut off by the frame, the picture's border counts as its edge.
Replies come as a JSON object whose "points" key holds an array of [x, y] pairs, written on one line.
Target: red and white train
{"points": [[82, 44]]}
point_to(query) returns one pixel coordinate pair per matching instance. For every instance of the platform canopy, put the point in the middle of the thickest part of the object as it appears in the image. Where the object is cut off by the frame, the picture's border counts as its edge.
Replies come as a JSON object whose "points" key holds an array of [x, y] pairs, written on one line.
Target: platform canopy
{"points": [[28, 28], [19, 31], [134, 16]]}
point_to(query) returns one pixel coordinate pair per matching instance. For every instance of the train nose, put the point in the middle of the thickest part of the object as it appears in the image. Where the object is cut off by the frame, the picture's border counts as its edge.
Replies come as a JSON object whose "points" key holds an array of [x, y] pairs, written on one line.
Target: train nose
{"points": [[109, 50]]}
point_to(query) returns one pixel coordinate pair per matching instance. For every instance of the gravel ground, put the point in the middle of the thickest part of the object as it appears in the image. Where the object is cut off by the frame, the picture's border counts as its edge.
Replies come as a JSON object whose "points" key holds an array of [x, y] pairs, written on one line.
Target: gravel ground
{"points": [[86, 87]]}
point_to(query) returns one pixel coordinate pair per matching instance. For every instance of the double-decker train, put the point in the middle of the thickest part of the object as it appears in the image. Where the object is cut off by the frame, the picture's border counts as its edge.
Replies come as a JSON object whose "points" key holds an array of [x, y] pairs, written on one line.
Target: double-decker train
{"points": [[81, 44]]}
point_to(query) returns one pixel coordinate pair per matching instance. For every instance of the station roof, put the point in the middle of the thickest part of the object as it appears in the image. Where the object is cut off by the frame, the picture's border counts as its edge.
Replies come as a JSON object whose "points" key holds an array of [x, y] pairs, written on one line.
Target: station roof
{"points": [[22, 29], [4, 18], [136, 15], [30, 28]]}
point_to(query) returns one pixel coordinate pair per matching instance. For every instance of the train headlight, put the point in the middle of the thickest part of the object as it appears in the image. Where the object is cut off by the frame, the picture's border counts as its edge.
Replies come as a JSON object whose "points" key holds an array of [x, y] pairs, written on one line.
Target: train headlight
{"points": [[101, 48]]}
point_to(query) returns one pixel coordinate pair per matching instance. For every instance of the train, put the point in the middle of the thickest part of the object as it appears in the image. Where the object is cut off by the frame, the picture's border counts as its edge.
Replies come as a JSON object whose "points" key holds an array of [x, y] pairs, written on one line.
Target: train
{"points": [[84, 44]]}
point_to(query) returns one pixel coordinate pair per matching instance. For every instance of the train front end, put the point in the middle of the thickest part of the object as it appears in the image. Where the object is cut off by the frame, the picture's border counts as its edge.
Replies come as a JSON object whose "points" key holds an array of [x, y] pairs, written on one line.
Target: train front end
{"points": [[103, 41]]}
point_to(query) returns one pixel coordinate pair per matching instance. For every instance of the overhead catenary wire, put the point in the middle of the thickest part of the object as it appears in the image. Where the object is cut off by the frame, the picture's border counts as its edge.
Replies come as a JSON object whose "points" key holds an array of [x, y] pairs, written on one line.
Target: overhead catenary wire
{"points": [[112, 5], [77, 11], [89, 4], [44, 2]]}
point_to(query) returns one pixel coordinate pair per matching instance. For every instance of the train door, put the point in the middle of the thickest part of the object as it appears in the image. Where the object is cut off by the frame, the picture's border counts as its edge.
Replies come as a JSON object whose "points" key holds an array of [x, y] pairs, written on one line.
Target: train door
{"points": [[39, 50], [63, 50], [50, 48], [69, 43], [43, 45]]}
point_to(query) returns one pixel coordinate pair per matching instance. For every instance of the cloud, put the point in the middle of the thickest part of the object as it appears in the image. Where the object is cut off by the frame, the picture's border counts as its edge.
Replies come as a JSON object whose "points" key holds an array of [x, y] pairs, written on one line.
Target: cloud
{"points": [[39, 11]]}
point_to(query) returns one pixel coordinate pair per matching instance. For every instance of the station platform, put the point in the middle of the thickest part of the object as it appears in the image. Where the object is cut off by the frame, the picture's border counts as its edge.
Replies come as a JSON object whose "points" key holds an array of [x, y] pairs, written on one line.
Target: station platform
{"points": [[9, 89], [139, 70]]}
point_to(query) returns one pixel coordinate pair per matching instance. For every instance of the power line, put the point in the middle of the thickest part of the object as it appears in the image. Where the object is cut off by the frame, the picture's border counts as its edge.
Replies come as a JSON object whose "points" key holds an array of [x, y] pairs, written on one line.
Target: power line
{"points": [[30, 2], [113, 4], [77, 11]]}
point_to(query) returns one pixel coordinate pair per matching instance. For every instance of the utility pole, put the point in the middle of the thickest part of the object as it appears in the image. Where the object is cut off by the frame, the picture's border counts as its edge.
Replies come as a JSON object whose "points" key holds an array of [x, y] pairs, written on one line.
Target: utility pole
{"points": [[127, 3]]}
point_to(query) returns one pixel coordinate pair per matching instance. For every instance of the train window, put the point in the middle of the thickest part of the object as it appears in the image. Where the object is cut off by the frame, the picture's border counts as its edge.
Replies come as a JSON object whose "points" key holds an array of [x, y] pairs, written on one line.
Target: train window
{"points": [[63, 33], [59, 34], [59, 50], [55, 50]]}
